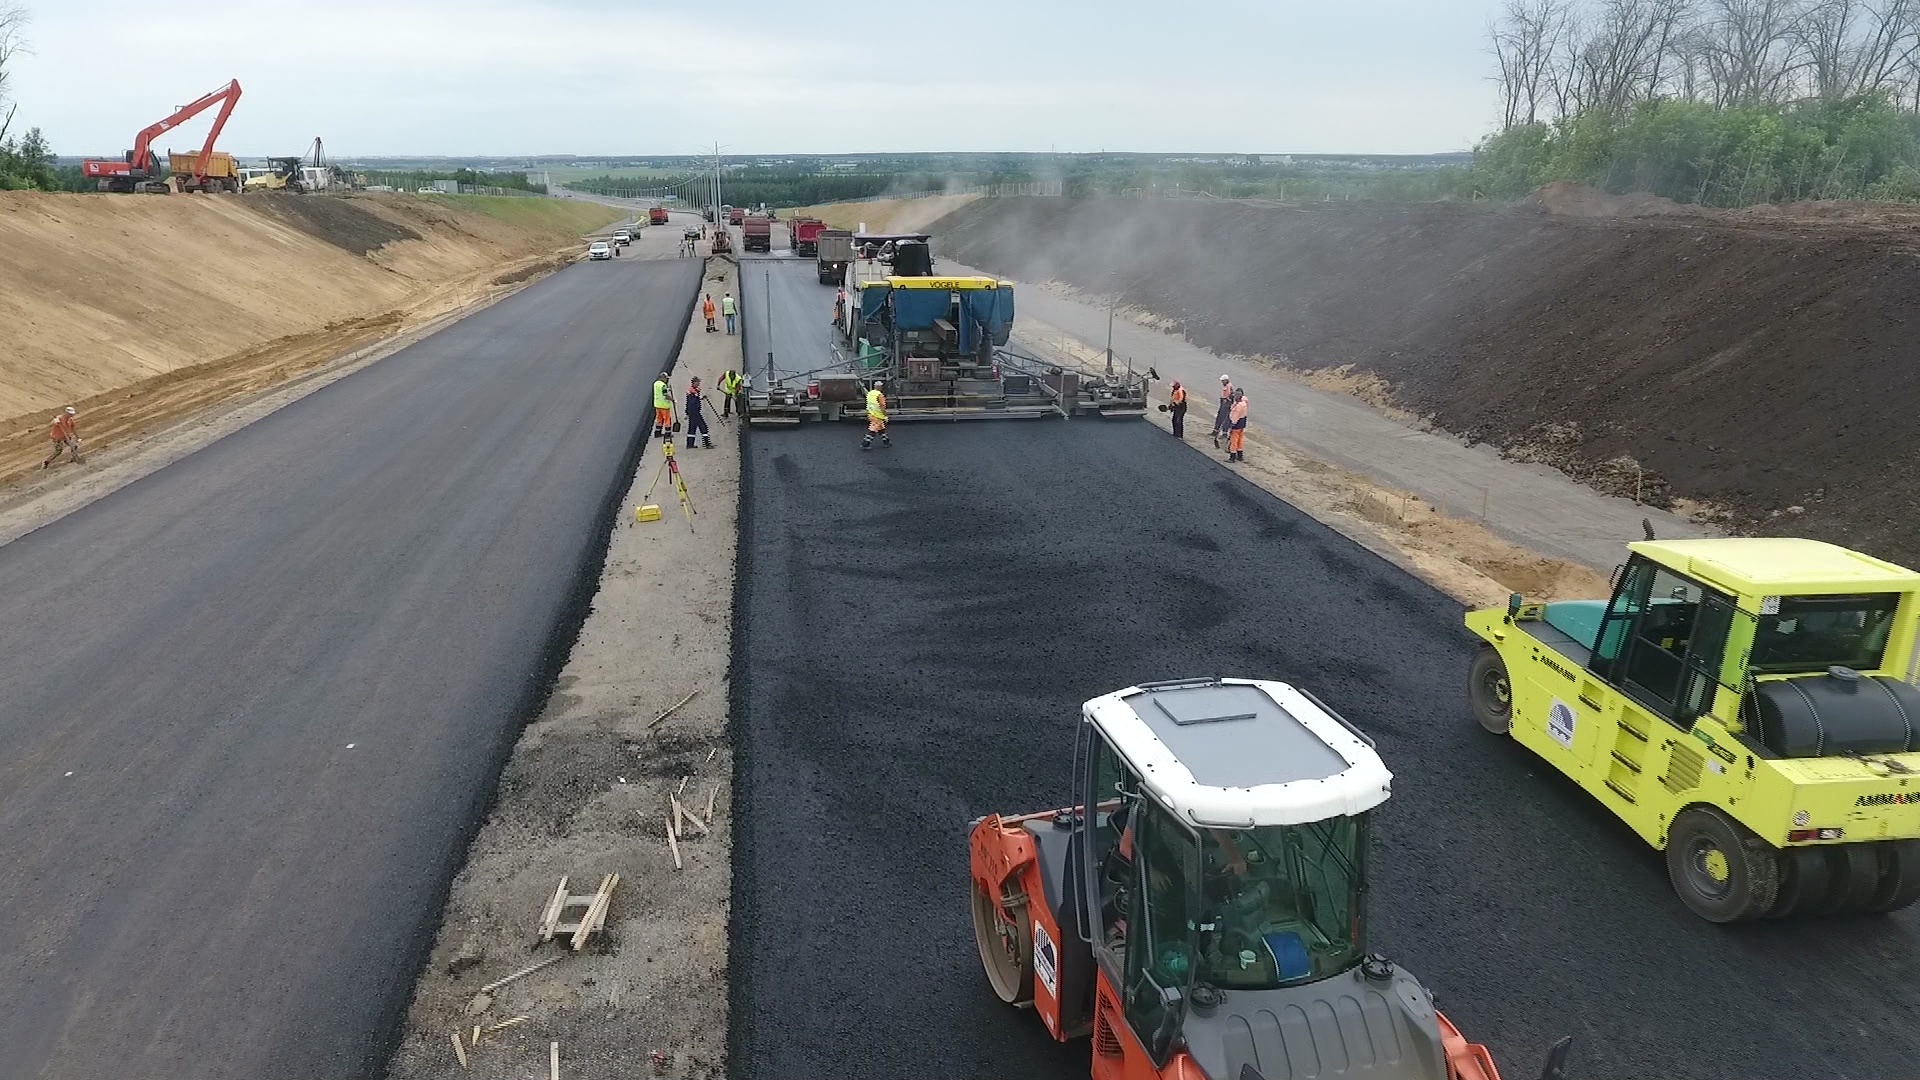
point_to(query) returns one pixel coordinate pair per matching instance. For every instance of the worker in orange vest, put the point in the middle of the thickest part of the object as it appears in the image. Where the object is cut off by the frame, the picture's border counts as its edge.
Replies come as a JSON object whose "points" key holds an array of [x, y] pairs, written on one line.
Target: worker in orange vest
{"points": [[840, 306], [1226, 403], [66, 438], [707, 309], [1178, 410], [1237, 427]]}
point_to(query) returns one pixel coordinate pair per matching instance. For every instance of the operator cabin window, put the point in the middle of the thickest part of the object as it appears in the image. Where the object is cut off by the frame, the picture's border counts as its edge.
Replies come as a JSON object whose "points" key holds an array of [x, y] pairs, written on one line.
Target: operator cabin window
{"points": [[1676, 644], [1814, 633]]}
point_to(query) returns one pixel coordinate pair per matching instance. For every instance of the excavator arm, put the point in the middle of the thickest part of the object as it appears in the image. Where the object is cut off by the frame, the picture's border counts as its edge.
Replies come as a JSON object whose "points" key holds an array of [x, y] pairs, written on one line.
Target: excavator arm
{"points": [[226, 96]]}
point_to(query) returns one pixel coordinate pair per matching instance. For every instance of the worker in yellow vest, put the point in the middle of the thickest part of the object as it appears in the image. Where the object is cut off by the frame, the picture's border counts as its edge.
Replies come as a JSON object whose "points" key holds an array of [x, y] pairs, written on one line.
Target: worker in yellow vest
{"points": [[730, 384], [662, 407], [876, 417]]}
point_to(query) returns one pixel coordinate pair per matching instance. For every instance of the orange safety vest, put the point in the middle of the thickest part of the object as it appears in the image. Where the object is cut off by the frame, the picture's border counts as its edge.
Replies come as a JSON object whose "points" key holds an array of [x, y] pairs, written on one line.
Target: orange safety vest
{"points": [[1179, 395], [706, 308], [62, 428], [1238, 414], [1226, 391]]}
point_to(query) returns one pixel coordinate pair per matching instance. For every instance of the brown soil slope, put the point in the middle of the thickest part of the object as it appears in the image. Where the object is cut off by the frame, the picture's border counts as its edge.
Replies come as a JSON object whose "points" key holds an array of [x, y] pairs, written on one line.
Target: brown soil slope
{"points": [[142, 309], [1757, 361]]}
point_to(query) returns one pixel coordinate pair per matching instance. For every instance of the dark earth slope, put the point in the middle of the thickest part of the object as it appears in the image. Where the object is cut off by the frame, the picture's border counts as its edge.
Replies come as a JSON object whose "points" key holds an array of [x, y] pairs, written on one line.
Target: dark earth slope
{"points": [[918, 630], [1750, 360]]}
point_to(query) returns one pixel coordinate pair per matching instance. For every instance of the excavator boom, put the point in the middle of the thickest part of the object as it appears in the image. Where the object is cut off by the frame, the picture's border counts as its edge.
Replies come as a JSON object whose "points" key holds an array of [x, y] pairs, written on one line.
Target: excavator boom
{"points": [[140, 162]]}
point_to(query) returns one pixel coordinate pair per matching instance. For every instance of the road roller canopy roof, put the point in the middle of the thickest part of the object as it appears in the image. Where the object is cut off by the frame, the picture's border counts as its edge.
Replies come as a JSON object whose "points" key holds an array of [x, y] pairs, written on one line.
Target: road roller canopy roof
{"points": [[1761, 566], [1239, 753]]}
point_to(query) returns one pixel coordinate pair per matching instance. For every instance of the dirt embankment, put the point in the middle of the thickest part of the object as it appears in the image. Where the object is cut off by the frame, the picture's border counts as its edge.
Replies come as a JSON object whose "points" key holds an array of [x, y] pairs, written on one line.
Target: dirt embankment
{"points": [[142, 310], [1755, 362]]}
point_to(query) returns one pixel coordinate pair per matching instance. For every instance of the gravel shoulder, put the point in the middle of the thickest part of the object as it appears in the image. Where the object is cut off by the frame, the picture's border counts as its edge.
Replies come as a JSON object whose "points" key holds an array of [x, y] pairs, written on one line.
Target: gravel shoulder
{"points": [[586, 793]]}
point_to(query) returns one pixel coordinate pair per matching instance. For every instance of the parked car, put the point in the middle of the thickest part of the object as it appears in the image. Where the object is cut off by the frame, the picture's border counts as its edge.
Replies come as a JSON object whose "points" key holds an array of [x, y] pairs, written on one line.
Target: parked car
{"points": [[600, 250]]}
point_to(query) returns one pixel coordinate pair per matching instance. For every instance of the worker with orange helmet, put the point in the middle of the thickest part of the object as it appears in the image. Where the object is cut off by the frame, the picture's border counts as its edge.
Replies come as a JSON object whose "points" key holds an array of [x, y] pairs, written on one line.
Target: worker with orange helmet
{"points": [[1177, 395], [66, 438], [1237, 427]]}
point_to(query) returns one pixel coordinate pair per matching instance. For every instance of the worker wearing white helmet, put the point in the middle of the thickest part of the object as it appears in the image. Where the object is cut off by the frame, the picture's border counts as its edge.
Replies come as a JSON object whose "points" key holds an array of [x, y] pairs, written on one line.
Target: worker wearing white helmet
{"points": [[1226, 403], [876, 417], [65, 434]]}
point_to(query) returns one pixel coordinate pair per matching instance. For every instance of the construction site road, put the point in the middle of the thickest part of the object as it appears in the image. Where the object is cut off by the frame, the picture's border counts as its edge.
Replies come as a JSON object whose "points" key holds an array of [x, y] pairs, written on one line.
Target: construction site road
{"points": [[919, 628], [255, 702]]}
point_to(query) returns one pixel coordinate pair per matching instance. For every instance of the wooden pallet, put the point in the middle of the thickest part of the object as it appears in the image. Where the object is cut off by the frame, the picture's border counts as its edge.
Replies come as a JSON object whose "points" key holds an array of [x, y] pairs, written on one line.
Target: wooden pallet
{"points": [[589, 912]]}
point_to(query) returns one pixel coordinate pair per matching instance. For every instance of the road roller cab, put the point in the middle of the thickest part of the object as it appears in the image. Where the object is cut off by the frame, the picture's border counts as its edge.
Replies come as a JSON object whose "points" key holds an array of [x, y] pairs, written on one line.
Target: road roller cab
{"points": [[1744, 705], [1199, 910]]}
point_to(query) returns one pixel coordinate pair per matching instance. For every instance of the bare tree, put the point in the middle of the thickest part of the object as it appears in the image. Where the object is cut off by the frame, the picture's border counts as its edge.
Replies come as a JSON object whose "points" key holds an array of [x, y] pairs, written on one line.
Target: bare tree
{"points": [[13, 38], [1856, 46], [1752, 49], [1623, 56], [1525, 41]]}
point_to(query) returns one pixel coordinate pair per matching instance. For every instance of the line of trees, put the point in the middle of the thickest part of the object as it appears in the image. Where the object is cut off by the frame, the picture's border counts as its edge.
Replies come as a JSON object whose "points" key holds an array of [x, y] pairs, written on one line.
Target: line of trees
{"points": [[413, 179], [1725, 102]]}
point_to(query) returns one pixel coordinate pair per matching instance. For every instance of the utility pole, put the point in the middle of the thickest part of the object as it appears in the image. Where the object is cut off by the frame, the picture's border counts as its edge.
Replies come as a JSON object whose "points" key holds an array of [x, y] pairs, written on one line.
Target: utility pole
{"points": [[1110, 302]]}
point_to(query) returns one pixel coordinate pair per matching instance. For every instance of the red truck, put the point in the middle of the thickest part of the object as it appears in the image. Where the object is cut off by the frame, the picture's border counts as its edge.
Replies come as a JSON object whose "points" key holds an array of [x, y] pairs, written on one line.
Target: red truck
{"points": [[737, 216], [806, 235], [756, 233], [657, 216]]}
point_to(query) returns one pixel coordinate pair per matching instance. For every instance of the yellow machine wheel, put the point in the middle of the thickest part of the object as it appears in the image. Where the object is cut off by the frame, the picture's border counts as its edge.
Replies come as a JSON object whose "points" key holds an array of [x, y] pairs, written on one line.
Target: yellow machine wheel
{"points": [[1004, 933], [1490, 691], [1720, 871]]}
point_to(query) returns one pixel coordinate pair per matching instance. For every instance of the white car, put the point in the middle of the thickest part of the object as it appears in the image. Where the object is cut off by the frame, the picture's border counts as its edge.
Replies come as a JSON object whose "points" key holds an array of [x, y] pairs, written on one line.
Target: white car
{"points": [[623, 238], [600, 250]]}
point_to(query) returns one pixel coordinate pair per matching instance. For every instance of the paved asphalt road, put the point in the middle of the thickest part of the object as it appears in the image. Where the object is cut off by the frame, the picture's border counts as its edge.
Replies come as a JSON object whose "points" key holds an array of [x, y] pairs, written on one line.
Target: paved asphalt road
{"points": [[254, 703], [920, 628]]}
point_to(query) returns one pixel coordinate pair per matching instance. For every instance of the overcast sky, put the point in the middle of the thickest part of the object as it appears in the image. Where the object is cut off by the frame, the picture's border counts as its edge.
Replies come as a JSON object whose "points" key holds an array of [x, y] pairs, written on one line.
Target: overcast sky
{"points": [[455, 77]]}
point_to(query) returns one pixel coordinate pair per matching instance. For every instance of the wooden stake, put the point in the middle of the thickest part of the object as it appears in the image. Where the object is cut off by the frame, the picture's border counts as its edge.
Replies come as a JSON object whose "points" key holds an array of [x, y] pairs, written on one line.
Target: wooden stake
{"points": [[711, 792], [475, 1040], [681, 812], [505, 1024], [682, 789], [674, 708], [521, 974], [553, 1061], [459, 1051], [673, 843]]}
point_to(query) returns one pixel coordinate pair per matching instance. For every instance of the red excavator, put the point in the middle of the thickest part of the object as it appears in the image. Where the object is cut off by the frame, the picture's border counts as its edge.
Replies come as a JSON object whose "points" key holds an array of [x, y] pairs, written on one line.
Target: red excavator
{"points": [[1199, 910], [142, 170]]}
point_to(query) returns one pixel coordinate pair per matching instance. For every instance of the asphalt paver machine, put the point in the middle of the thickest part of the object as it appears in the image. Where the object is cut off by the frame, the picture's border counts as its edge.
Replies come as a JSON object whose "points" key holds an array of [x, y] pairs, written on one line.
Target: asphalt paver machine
{"points": [[1744, 705], [1199, 910]]}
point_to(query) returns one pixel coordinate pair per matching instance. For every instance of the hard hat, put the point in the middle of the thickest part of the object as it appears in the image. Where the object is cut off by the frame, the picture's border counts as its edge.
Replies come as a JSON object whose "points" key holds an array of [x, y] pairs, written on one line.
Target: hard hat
{"points": [[1176, 384], [664, 376], [70, 411], [1223, 378]]}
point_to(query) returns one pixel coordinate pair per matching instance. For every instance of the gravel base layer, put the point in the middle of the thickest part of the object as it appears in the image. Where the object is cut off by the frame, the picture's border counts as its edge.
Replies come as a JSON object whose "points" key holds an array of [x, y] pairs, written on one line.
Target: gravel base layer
{"points": [[918, 627]]}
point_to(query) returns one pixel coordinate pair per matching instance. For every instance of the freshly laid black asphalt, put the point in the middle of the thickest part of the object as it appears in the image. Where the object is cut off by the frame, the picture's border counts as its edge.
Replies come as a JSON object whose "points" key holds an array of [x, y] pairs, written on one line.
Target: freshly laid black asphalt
{"points": [[253, 704], [919, 628]]}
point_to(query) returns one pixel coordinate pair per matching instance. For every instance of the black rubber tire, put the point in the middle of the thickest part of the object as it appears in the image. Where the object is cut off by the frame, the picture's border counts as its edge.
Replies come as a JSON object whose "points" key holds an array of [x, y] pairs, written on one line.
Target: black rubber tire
{"points": [[1856, 877], [1490, 691], [1751, 868], [1805, 882], [1010, 975], [1899, 876]]}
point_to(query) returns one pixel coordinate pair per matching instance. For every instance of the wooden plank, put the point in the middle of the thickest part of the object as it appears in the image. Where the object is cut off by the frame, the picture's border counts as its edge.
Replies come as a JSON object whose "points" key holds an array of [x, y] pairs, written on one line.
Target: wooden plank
{"points": [[553, 1061], [459, 1051], [711, 792], [551, 916], [596, 916], [673, 844]]}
